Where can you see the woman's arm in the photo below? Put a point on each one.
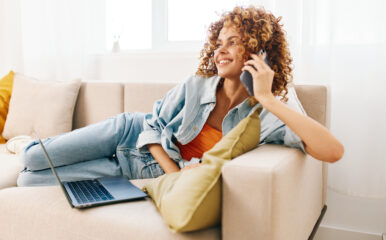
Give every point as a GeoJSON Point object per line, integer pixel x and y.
{"type": "Point", "coordinates": [318, 141]}
{"type": "Point", "coordinates": [164, 111]}
{"type": "Point", "coordinates": [166, 163]}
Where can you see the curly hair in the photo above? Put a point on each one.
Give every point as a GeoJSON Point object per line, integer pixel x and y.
{"type": "Point", "coordinates": [259, 30]}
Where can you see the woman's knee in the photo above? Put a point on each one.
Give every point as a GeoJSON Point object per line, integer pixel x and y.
{"type": "Point", "coordinates": [32, 156]}
{"type": "Point", "coordinates": [28, 178]}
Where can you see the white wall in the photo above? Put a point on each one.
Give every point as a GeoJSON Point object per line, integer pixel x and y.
{"type": "Point", "coordinates": [145, 67]}
{"type": "Point", "coordinates": [350, 218]}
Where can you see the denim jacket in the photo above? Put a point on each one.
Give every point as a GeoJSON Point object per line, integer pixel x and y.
{"type": "Point", "coordinates": [182, 113]}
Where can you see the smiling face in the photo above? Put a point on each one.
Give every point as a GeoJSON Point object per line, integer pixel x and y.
{"type": "Point", "coordinates": [227, 54]}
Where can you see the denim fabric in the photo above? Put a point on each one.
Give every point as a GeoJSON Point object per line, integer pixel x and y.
{"type": "Point", "coordinates": [103, 149]}
{"type": "Point", "coordinates": [118, 146]}
{"type": "Point", "coordinates": [182, 113]}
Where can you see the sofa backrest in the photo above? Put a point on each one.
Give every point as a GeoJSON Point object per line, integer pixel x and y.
{"type": "Point", "coordinates": [100, 100]}
{"type": "Point", "coordinates": [314, 100]}
{"type": "Point", "coordinates": [140, 97]}
{"type": "Point", "coordinates": [97, 101]}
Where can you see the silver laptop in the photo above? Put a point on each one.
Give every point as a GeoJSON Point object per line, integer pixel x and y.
{"type": "Point", "coordinates": [96, 192]}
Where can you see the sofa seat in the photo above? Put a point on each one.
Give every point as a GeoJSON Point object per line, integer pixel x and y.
{"type": "Point", "coordinates": [45, 212]}
{"type": "Point", "coordinates": [10, 168]}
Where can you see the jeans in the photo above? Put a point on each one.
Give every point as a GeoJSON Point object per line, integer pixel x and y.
{"type": "Point", "coordinates": [102, 149]}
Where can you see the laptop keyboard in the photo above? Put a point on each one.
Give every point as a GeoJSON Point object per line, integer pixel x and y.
{"type": "Point", "coordinates": [89, 191]}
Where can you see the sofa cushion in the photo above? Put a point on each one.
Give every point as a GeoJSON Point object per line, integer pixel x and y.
{"type": "Point", "coordinates": [44, 106]}
{"type": "Point", "coordinates": [191, 200]}
{"type": "Point", "coordinates": [144, 93]}
{"type": "Point", "coordinates": [10, 167]}
{"type": "Point", "coordinates": [48, 215]}
{"type": "Point", "coordinates": [97, 101]}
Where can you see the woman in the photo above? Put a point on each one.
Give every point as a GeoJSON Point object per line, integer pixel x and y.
{"type": "Point", "coordinates": [195, 114]}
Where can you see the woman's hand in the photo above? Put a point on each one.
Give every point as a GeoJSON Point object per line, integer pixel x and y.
{"type": "Point", "coordinates": [262, 76]}
{"type": "Point", "coordinates": [191, 166]}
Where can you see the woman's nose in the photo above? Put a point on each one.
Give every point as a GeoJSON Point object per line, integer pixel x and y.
{"type": "Point", "coordinates": [222, 49]}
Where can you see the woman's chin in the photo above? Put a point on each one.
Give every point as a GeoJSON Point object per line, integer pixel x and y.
{"type": "Point", "coordinates": [228, 75]}
{"type": "Point", "coordinates": [223, 74]}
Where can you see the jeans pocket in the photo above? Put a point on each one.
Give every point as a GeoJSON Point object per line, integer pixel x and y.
{"type": "Point", "coordinates": [140, 165]}
{"type": "Point", "coordinates": [153, 169]}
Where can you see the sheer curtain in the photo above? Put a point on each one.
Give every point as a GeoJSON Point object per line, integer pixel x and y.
{"type": "Point", "coordinates": [10, 32]}
{"type": "Point", "coordinates": [342, 44]}
{"type": "Point", "coordinates": [53, 40]}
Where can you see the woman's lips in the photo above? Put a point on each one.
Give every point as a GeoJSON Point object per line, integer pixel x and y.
{"type": "Point", "coordinates": [224, 62]}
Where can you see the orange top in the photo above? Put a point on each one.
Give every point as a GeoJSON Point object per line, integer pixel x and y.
{"type": "Point", "coordinates": [204, 141]}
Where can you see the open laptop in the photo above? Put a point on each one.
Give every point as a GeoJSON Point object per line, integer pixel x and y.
{"type": "Point", "coordinates": [96, 192]}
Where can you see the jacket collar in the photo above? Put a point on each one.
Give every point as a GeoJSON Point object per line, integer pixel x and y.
{"type": "Point", "coordinates": [210, 84]}
{"type": "Point", "coordinates": [243, 109]}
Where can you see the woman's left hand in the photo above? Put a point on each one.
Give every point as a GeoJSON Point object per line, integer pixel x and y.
{"type": "Point", "coordinates": [191, 166]}
{"type": "Point", "coordinates": [262, 76]}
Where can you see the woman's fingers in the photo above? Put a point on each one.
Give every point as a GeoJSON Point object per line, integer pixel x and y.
{"type": "Point", "coordinates": [258, 62]}
{"type": "Point", "coordinates": [250, 69]}
{"type": "Point", "coordinates": [191, 166]}
{"type": "Point", "coordinates": [261, 73]}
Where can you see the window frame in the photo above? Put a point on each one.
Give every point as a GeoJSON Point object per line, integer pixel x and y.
{"type": "Point", "coordinates": [159, 33]}
{"type": "Point", "coordinates": [160, 30]}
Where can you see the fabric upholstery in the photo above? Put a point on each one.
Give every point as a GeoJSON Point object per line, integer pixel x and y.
{"type": "Point", "coordinates": [279, 195]}
{"type": "Point", "coordinates": [45, 106]}
{"type": "Point", "coordinates": [97, 102]}
{"type": "Point", "coordinates": [191, 200]}
{"type": "Point", "coordinates": [315, 101]}
{"type": "Point", "coordinates": [47, 215]}
{"type": "Point", "coordinates": [9, 168]}
{"type": "Point", "coordinates": [140, 97]}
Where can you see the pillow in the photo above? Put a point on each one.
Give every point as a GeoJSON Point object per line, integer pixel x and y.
{"type": "Point", "coordinates": [46, 106]}
{"type": "Point", "coordinates": [17, 144]}
{"type": "Point", "coordinates": [191, 200]}
{"type": "Point", "coordinates": [5, 95]}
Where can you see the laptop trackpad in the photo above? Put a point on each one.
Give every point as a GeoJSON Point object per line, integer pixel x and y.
{"type": "Point", "coordinates": [121, 188]}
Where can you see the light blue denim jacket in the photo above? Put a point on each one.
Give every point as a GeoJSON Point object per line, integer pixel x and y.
{"type": "Point", "coordinates": [182, 113]}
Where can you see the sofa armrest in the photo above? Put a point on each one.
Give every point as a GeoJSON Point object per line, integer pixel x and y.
{"type": "Point", "coordinates": [271, 192]}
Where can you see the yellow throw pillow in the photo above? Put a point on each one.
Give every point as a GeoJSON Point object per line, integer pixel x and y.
{"type": "Point", "coordinates": [6, 84]}
{"type": "Point", "coordinates": [191, 200]}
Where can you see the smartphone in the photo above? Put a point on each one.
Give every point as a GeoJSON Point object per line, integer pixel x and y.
{"type": "Point", "coordinates": [246, 77]}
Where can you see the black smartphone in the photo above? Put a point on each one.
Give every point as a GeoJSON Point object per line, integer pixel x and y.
{"type": "Point", "coordinates": [246, 77]}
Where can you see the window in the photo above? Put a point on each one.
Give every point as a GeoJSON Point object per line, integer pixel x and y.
{"type": "Point", "coordinates": [189, 20]}
{"type": "Point", "coordinates": [163, 25]}
{"type": "Point", "coordinates": [129, 23]}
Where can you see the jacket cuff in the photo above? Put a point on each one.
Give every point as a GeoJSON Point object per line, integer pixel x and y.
{"type": "Point", "coordinates": [183, 163]}
{"type": "Point", "coordinates": [292, 140]}
{"type": "Point", "coordinates": [147, 137]}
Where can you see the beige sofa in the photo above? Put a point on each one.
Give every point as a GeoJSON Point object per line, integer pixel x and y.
{"type": "Point", "coordinates": [272, 192]}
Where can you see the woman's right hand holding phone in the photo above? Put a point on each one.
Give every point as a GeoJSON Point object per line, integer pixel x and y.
{"type": "Point", "coordinates": [262, 76]}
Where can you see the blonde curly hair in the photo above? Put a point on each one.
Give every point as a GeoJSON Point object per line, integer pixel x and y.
{"type": "Point", "coordinates": [259, 30]}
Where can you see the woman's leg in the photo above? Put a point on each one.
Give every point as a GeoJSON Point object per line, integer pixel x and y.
{"type": "Point", "coordinates": [96, 141]}
{"type": "Point", "coordinates": [105, 167]}
{"type": "Point", "coordinates": [136, 165]}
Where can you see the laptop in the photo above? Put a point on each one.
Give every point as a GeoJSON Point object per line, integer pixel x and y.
{"type": "Point", "coordinates": [96, 192]}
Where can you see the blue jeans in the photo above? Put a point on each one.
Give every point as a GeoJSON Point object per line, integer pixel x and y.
{"type": "Point", "coordinates": [102, 149]}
